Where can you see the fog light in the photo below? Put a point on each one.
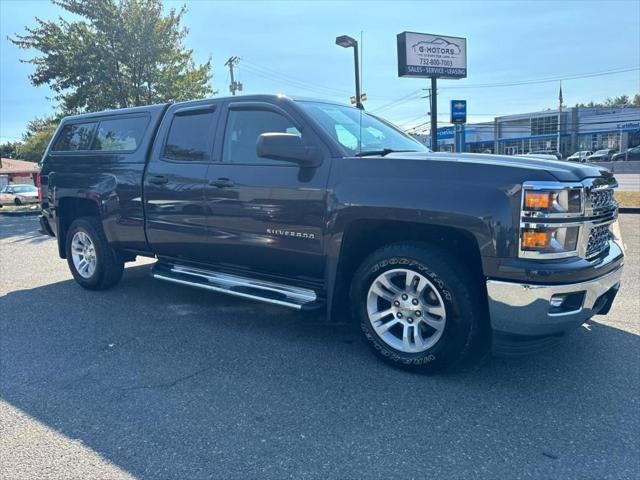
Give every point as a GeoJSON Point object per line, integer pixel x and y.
{"type": "Point", "coordinates": [566, 302]}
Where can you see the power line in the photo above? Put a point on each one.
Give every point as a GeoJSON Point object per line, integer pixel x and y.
{"type": "Point", "coordinates": [289, 79]}
{"type": "Point", "coordinates": [415, 95]}
{"type": "Point", "coordinates": [547, 80]}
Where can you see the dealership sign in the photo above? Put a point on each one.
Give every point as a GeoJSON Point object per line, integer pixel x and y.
{"type": "Point", "coordinates": [458, 111]}
{"type": "Point", "coordinates": [425, 55]}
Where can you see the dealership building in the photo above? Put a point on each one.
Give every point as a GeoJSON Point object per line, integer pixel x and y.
{"type": "Point", "coordinates": [580, 128]}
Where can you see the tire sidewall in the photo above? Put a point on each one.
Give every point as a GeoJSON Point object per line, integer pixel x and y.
{"type": "Point", "coordinates": [88, 229]}
{"type": "Point", "coordinates": [458, 326]}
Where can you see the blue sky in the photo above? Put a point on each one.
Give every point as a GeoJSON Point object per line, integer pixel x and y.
{"type": "Point", "coordinates": [288, 47]}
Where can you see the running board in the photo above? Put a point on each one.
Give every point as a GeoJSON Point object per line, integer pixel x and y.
{"type": "Point", "coordinates": [263, 291]}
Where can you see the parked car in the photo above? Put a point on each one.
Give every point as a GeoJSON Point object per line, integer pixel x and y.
{"type": "Point", "coordinates": [543, 156]}
{"type": "Point", "coordinates": [630, 154]}
{"type": "Point", "coordinates": [603, 155]}
{"type": "Point", "coordinates": [435, 255]}
{"type": "Point", "coordinates": [580, 156]}
{"type": "Point", "coordinates": [555, 153]}
{"type": "Point", "coordinates": [18, 195]}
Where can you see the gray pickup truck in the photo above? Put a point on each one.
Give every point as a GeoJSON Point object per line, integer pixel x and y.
{"type": "Point", "coordinates": [313, 205]}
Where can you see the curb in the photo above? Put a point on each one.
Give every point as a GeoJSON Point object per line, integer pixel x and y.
{"type": "Point", "coordinates": [28, 213]}
{"type": "Point", "coordinates": [629, 210]}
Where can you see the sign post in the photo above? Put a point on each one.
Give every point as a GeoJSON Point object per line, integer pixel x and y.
{"type": "Point", "coordinates": [423, 55]}
{"type": "Point", "coordinates": [458, 118]}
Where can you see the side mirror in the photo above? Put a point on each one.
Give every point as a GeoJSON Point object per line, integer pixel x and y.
{"type": "Point", "coordinates": [288, 147]}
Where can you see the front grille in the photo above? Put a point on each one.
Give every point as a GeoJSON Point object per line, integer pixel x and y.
{"type": "Point", "coordinates": [600, 200]}
{"type": "Point", "coordinates": [598, 240]}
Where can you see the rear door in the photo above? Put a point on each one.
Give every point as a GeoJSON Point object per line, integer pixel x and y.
{"type": "Point", "coordinates": [174, 182]}
{"type": "Point", "coordinates": [265, 215]}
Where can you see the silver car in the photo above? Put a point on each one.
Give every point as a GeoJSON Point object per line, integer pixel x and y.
{"type": "Point", "coordinates": [580, 156]}
{"type": "Point", "coordinates": [18, 195]}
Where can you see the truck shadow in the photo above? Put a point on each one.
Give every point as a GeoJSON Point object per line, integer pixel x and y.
{"type": "Point", "coordinates": [21, 230]}
{"type": "Point", "coordinates": [170, 382]}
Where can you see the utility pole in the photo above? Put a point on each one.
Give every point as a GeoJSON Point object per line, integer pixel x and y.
{"type": "Point", "coordinates": [233, 86]}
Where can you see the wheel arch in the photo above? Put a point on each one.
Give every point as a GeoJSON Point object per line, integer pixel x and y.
{"type": "Point", "coordinates": [69, 209]}
{"type": "Point", "coordinates": [363, 237]}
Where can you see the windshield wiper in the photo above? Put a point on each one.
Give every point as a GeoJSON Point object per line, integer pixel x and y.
{"type": "Point", "coordinates": [382, 153]}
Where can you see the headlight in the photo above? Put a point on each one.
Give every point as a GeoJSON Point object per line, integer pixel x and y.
{"type": "Point", "coordinates": [543, 233]}
{"type": "Point", "coordinates": [565, 202]}
{"type": "Point", "coordinates": [548, 241]}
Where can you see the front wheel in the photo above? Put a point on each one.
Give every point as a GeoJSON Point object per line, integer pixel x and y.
{"type": "Point", "coordinates": [417, 306]}
{"type": "Point", "coordinates": [17, 202]}
{"type": "Point", "coordinates": [92, 261]}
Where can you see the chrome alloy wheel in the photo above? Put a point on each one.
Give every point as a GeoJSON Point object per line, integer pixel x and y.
{"type": "Point", "coordinates": [83, 254]}
{"type": "Point", "coordinates": [406, 310]}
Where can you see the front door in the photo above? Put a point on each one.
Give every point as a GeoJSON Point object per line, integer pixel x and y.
{"type": "Point", "coordinates": [265, 215]}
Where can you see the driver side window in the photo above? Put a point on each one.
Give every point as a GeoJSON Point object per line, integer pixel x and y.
{"type": "Point", "coordinates": [243, 129]}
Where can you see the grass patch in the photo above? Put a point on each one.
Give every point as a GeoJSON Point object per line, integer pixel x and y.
{"type": "Point", "coordinates": [21, 208]}
{"type": "Point", "coordinates": [628, 199]}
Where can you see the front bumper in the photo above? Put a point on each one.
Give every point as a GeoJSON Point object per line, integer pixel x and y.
{"type": "Point", "coordinates": [521, 312]}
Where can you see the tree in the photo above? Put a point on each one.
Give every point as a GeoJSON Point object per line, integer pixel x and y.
{"type": "Point", "coordinates": [36, 138]}
{"type": "Point", "coordinates": [9, 149]}
{"type": "Point", "coordinates": [120, 54]}
{"type": "Point", "coordinates": [620, 101]}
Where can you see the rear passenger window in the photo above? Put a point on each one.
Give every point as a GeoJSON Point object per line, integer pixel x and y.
{"type": "Point", "coordinates": [120, 134]}
{"type": "Point", "coordinates": [189, 137]}
{"type": "Point", "coordinates": [75, 137]}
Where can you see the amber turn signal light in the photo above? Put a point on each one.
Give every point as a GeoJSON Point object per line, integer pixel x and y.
{"type": "Point", "coordinates": [533, 239]}
{"type": "Point", "coordinates": [538, 201]}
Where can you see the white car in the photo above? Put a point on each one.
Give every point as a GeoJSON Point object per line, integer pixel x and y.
{"type": "Point", "coordinates": [18, 195]}
{"type": "Point", "coordinates": [580, 156]}
{"type": "Point", "coordinates": [542, 156]}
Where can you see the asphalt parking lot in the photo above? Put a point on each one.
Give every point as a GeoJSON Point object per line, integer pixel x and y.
{"type": "Point", "coordinates": [155, 381]}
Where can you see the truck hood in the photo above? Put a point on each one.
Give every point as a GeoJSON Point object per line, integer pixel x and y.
{"type": "Point", "coordinates": [561, 170]}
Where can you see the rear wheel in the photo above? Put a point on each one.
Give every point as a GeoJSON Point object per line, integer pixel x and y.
{"type": "Point", "coordinates": [92, 261]}
{"type": "Point", "coordinates": [417, 307]}
{"type": "Point", "coordinates": [17, 202]}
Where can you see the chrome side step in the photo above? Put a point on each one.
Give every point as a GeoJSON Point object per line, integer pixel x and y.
{"type": "Point", "coordinates": [263, 291]}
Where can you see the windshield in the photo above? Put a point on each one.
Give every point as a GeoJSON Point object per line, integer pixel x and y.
{"type": "Point", "coordinates": [357, 131]}
{"type": "Point", "coordinates": [602, 151]}
{"type": "Point", "coordinates": [25, 189]}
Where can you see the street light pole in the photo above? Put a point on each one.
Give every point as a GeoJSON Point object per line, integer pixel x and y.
{"type": "Point", "coordinates": [356, 62]}
{"type": "Point", "coordinates": [346, 41]}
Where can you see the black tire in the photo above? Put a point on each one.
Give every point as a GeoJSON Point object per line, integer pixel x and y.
{"type": "Point", "coordinates": [459, 290]}
{"type": "Point", "coordinates": [109, 266]}
{"type": "Point", "coordinates": [17, 202]}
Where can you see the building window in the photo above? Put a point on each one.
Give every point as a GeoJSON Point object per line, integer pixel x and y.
{"type": "Point", "coordinates": [480, 147]}
{"type": "Point", "coordinates": [544, 125]}
{"type": "Point", "coordinates": [598, 141]}
{"type": "Point", "coordinates": [514, 147]}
